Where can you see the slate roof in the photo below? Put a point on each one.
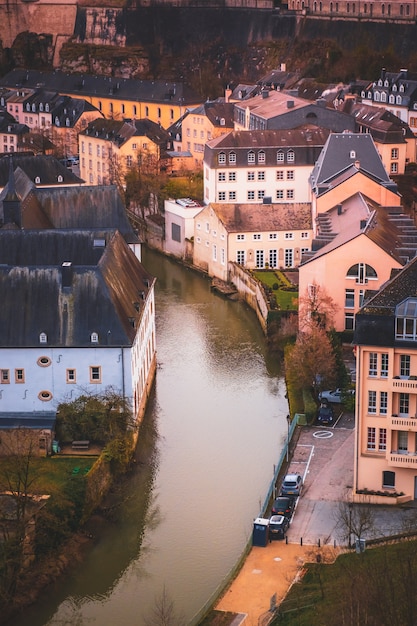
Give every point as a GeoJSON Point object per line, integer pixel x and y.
{"type": "Point", "coordinates": [104, 292]}
{"type": "Point", "coordinates": [11, 127]}
{"type": "Point", "coordinates": [238, 218]}
{"type": "Point", "coordinates": [342, 155]}
{"type": "Point", "coordinates": [46, 168]}
{"type": "Point", "coordinates": [39, 420]}
{"type": "Point", "coordinates": [216, 111]}
{"type": "Point", "coordinates": [159, 91]}
{"type": "Point", "coordinates": [384, 126]}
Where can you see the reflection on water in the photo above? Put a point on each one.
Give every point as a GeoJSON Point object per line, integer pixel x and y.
{"type": "Point", "coordinates": [214, 429]}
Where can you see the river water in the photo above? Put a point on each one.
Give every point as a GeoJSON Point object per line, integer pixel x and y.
{"type": "Point", "coordinates": [215, 426]}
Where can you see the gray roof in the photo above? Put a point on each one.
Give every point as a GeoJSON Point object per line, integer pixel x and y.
{"type": "Point", "coordinates": [118, 132]}
{"type": "Point", "coordinates": [39, 420]}
{"type": "Point", "coordinates": [159, 91]}
{"type": "Point", "coordinates": [101, 290]}
{"type": "Point", "coordinates": [45, 168]}
{"type": "Point", "coordinates": [343, 154]}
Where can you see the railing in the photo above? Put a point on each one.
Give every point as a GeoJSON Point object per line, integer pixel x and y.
{"type": "Point", "coordinates": [402, 423]}
{"type": "Point", "coordinates": [403, 384]}
{"type": "Point", "coordinates": [402, 459]}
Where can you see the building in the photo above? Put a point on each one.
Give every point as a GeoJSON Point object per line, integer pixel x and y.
{"type": "Point", "coordinates": [248, 166]}
{"type": "Point", "coordinates": [252, 235]}
{"type": "Point", "coordinates": [109, 149]}
{"type": "Point", "coordinates": [11, 133]}
{"type": "Point", "coordinates": [386, 403]}
{"type": "Point", "coordinates": [179, 227]}
{"type": "Point", "coordinates": [81, 320]}
{"type": "Point", "coordinates": [204, 123]}
{"type": "Point", "coordinates": [161, 101]}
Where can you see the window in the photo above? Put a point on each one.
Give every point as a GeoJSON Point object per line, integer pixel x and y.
{"type": "Point", "coordinates": [4, 377]}
{"type": "Point", "coordinates": [371, 439]}
{"type": "Point", "coordinates": [404, 404]}
{"type": "Point", "coordinates": [289, 235]}
{"type": "Point", "coordinates": [349, 321]}
{"type": "Point", "coordinates": [388, 479]}
{"type": "Point", "coordinates": [394, 168]}
{"type": "Point", "coordinates": [240, 257]}
{"type": "Point", "coordinates": [19, 375]}
{"type": "Point", "coordinates": [256, 236]}
{"type": "Point", "coordinates": [261, 156]}
{"type": "Point", "coordinates": [232, 177]}
{"type": "Point", "coordinates": [221, 177]}
{"type": "Point", "coordinates": [261, 175]}
{"type": "Point", "coordinates": [222, 158]}
{"type": "Point", "coordinates": [129, 160]}
{"type": "Point", "coordinates": [289, 257]}
{"type": "Point", "coordinates": [305, 235]}
{"type": "Point", "coordinates": [382, 441]}
{"type": "Point", "coordinates": [44, 361]}
{"type": "Point", "coordinates": [94, 338]}
{"type": "Point", "coordinates": [214, 252]}
{"type": "Point", "coordinates": [362, 272]}
{"type": "Point", "coordinates": [405, 365]}
{"type": "Point", "coordinates": [394, 153]}
{"type": "Point", "coordinates": [405, 322]}
{"type": "Point", "coordinates": [71, 376]}
{"type": "Point", "coordinates": [290, 175]}
{"type": "Point", "coordinates": [349, 298]}
{"type": "Point", "coordinates": [45, 396]}
{"type": "Point", "coordinates": [232, 158]}
{"type": "Point", "coordinates": [280, 194]}
{"type": "Point", "coordinates": [232, 195]}
{"type": "Point", "coordinates": [383, 403]}
{"type": "Point", "coordinates": [251, 157]}
{"type": "Point", "coordinates": [95, 374]}
{"type": "Point", "coordinates": [384, 364]}
{"type": "Point", "coordinates": [290, 156]}
{"type": "Point", "coordinates": [240, 237]}
{"type": "Point", "coordinates": [402, 441]}
{"type": "Point", "coordinates": [260, 258]}
{"type": "Point", "coordinates": [280, 174]}
{"type": "Point", "coordinates": [373, 364]}
{"type": "Point", "coordinates": [372, 402]}
{"type": "Point", "coordinates": [251, 175]}
{"type": "Point", "coordinates": [159, 112]}
{"type": "Point", "coordinates": [290, 194]}
{"type": "Point", "coordinates": [222, 196]}
{"type": "Point", "coordinates": [273, 235]}
{"type": "Point", "coordinates": [261, 194]}
{"type": "Point", "coordinates": [280, 157]}
{"type": "Point", "coordinates": [176, 232]}
{"type": "Point", "coordinates": [251, 195]}
{"type": "Point", "coordinates": [43, 338]}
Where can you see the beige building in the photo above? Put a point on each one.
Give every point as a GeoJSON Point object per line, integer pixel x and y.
{"type": "Point", "coordinates": [386, 391]}
{"type": "Point", "coordinates": [252, 235]}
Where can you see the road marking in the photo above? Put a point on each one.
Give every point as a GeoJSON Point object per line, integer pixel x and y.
{"type": "Point", "coordinates": [323, 434]}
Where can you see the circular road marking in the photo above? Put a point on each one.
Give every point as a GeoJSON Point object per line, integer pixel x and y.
{"type": "Point", "coordinates": [323, 434]}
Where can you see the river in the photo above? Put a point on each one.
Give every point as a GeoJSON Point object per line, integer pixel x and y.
{"type": "Point", "coordinates": [214, 428]}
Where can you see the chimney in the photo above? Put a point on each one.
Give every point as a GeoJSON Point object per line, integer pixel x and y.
{"type": "Point", "coordinates": [227, 94]}
{"type": "Point", "coordinates": [339, 209]}
{"type": "Point", "coordinates": [363, 224]}
{"type": "Point", "coordinates": [265, 93]}
{"type": "Point", "coordinates": [358, 164]}
{"type": "Point", "coordinates": [290, 104]}
{"type": "Point", "coordinates": [66, 273]}
{"type": "Point", "coordinates": [283, 67]}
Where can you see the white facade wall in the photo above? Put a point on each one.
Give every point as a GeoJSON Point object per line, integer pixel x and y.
{"type": "Point", "coordinates": [179, 225]}
{"type": "Point", "coordinates": [143, 354]}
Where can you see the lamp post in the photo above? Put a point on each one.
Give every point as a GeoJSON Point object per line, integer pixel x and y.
{"type": "Point", "coordinates": [288, 436]}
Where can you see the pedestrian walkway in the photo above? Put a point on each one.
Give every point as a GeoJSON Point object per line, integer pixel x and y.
{"type": "Point", "coordinates": [266, 577]}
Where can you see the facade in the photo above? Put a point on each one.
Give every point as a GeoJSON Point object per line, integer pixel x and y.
{"type": "Point", "coordinates": [11, 134]}
{"type": "Point", "coordinates": [79, 325]}
{"type": "Point", "coordinates": [179, 227]}
{"type": "Point", "coordinates": [248, 166]}
{"type": "Point", "coordinates": [386, 391]}
{"type": "Point", "coordinates": [252, 235]}
{"type": "Point", "coordinates": [202, 124]}
{"type": "Point", "coordinates": [396, 92]}
{"type": "Point", "coordinates": [161, 101]}
{"type": "Point", "coordinates": [109, 148]}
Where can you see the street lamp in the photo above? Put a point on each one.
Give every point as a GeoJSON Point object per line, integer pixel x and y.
{"type": "Point", "coordinates": [288, 435]}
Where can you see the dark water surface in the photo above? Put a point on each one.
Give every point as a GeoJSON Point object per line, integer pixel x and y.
{"type": "Point", "coordinates": [214, 429]}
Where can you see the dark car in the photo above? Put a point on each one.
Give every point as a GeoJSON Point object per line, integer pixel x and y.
{"type": "Point", "coordinates": [325, 414]}
{"type": "Point", "coordinates": [291, 485]}
{"type": "Point", "coordinates": [278, 526]}
{"type": "Point", "coordinates": [283, 505]}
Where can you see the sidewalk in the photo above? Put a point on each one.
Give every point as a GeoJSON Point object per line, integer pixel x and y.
{"type": "Point", "coordinates": [266, 577]}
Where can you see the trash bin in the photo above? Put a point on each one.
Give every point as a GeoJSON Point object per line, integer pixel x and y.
{"type": "Point", "coordinates": [55, 447]}
{"type": "Point", "coordinates": [260, 534]}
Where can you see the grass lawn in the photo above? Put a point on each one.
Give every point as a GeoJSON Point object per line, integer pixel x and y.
{"type": "Point", "coordinates": [218, 618]}
{"type": "Point", "coordinates": [51, 473]}
{"type": "Point", "coordinates": [272, 278]}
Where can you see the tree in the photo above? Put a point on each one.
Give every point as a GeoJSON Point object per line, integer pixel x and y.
{"type": "Point", "coordinates": [354, 519]}
{"type": "Point", "coordinates": [317, 308]}
{"type": "Point", "coordinates": [310, 363]}
{"type": "Point", "coordinates": [163, 613]}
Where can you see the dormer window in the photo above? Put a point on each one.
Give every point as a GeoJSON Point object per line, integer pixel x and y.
{"type": "Point", "coordinates": [402, 88]}
{"type": "Point", "coordinates": [392, 99]}
{"type": "Point", "coordinates": [34, 108]}
{"type": "Point", "coordinates": [377, 96]}
{"type": "Point", "coordinates": [399, 100]}
{"type": "Point", "coordinates": [41, 106]}
{"type": "Point", "coordinates": [67, 122]}
{"type": "Point", "coordinates": [363, 95]}
{"type": "Point", "coordinates": [261, 157]}
{"type": "Point", "coordinates": [37, 180]}
{"type": "Point", "coordinates": [383, 97]}
{"type": "Point", "coordinates": [290, 156]}
{"type": "Point", "coordinates": [94, 337]}
{"type": "Point", "coordinates": [57, 121]}
{"type": "Point", "coordinates": [406, 320]}
{"type": "Point", "coordinates": [222, 158]}
{"type": "Point", "coordinates": [251, 156]}
{"type": "Point", "coordinates": [60, 179]}
{"type": "Point", "coordinates": [380, 82]}
{"type": "Point", "coordinates": [47, 107]}
{"type": "Point", "coordinates": [394, 87]}
{"type": "Point", "coordinates": [386, 83]}
{"type": "Point", "coordinates": [280, 156]}
{"type": "Point", "coordinates": [28, 107]}
{"type": "Point", "coordinates": [352, 154]}
{"type": "Point", "coordinates": [43, 338]}
{"type": "Point", "coordinates": [369, 95]}
{"type": "Point", "coordinates": [232, 158]}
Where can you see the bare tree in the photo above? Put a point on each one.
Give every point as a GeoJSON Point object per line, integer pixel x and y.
{"type": "Point", "coordinates": [317, 308]}
{"type": "Point", "coordinates": [354, 520]}
{"type": "Point", "coordinates": [163, 613]}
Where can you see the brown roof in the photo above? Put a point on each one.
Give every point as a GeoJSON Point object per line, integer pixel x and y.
{"type": "Point", "coordinates": [264, 217]}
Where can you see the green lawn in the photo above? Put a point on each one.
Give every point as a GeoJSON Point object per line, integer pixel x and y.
{"type": "Point", "coordinates": [274, 278]}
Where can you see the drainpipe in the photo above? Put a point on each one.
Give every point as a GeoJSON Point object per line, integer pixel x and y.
{"type": "Point", "coordinates": [123, 372]}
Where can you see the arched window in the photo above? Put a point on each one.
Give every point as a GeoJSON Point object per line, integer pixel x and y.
{"type": "Point", "coordinates": [47, 107]}
{"type": "Point", "coordinates": [362, 272]}
{"type": "Point", "coordinates": [290, 156]}
{"type": "Point", "coordinates": [383, 97]}
{"type": "Point", "coordinates": [222, 158]}
{"type": "Point", "coordinates": [398, 100]}
{"type": "Point", "coordinates": [43, 338]}
{"type": "Point", "coordinates": [280, 156]}
{"type": "Point", "coordinates": [261, 157]}
{"type": "Point", "coordinates": [251, 156]}
{"type": "Point", "coordinates": [394, 87]}
{"type": "Point", "coordinates": [232, 158]}
{"type": "Point", "coordinates": [392, 99]}
{"type": "Point", "coordinates": [94, 337]}
{"type": "Point", "coordinates": [377, 96]}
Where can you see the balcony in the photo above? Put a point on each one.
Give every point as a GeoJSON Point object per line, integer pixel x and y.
{"type": "Point", "coordinates": [402, 459]}
{"type": "Point", "coordinates": [405, 385]}
{"type": "Point", "coordinates": [403, 423]}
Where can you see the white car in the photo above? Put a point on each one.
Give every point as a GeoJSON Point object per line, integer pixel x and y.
{"type": "Point", "coordinates": [337, 396]}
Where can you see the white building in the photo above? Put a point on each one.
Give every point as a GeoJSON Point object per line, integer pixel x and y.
{"type": "Point", "coordinates": [179, 226]}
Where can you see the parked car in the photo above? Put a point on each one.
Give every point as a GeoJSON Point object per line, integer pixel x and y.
{"type": "Point", "coordinates": [292, 485]}
{"type": "Point", "coordinates": [278, 526]}
{"type": "Point", "coordinates": [336, 396]}
{"type": "Point", "coordinates": [283, 505]}
{"type": "Point", "coordinates": [325, 413]}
